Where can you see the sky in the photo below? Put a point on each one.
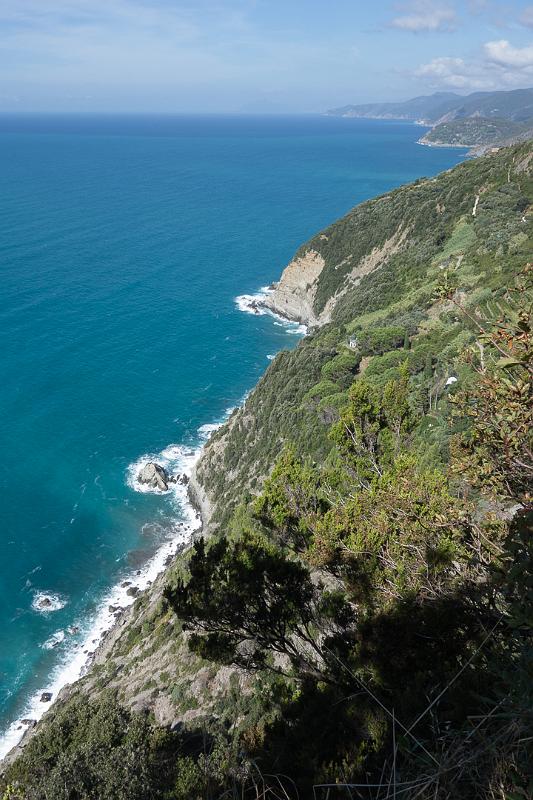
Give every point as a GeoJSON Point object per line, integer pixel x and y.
{"type": "Point", "coordinates": [250, 56]}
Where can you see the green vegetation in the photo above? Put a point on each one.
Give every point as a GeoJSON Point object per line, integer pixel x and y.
{"type": "Point", "coordinates": [368, 583]}
{"type": "Point", "coordinates": [473, 131]}
{"type": "Point", "coordinates": [429, 211]}
{"type": "Point", "coordinates": [97, 751]}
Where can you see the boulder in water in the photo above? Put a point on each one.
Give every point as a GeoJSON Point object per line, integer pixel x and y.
{"type": "Point", "coordinates": [154, 475]}
{"type": "Point", "coordinates": [46, 697]}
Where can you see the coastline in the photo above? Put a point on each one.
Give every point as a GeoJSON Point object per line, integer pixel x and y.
{"type": "Point", "coordinates": [117, 606]}
{"type": "Point", "coordinates": [444, 144]}
{"type": "Point", "coordinates": [473, 151]}
{"type": "Point", "coordinates": [112, 614]}
{"type": "Point", "coordinates": [259, 305]}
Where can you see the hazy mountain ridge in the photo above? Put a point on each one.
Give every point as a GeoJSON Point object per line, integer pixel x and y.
{"type": "Point", "coordinates": [476, 120]}
{"type": "Point", "coordinates": [515, 105]}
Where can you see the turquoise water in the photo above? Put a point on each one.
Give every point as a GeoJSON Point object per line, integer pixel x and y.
{"type": "Point", "coordinates": [123, 243]}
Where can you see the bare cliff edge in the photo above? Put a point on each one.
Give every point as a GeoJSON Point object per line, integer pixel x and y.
{"type": "Point", "coordinates": [294, 295]}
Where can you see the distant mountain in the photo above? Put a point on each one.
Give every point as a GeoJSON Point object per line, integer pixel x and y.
{"type": "Point", "coordinates": [440, 107]}
{"type": "Point", "coordinates": [426, 107]}
{"type": "Point", "coordinates": [480, 119]}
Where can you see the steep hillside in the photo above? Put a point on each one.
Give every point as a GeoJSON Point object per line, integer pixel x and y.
{"type": "Point", "coordinates": [474, 132]}
{"type": "Point", "coordinates": [399, 236]}
{"type": "Point", "coordinates": [362, 516]}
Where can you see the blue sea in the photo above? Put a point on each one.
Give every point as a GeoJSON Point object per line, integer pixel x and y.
{"type": "Point", "coordinates": [124, 241]}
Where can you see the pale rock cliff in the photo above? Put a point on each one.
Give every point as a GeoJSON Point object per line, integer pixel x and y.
{"type": "Point", "coordinates": [294, 295]}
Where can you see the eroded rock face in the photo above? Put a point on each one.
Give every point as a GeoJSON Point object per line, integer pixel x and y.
{"type": "Point", "coordinates": [154, 475]}
{"type": "Point", "coordinates": [294, 295]}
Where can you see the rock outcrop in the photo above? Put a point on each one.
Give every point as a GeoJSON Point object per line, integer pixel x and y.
{"type": "Point", "coordinates": [293, 297]}
{"type": "Point", "coordinates": [155, 476]}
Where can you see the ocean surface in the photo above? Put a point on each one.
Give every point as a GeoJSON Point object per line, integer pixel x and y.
{"type": "Point", "coordinates": [124, 242]}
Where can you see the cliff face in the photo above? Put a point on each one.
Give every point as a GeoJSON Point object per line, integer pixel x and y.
{"type": "Point", "coordinates": [294, 295]}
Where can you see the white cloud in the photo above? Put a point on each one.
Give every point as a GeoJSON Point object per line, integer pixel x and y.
{"type": "Point", "coordinates": [504, 54]}
{"type": "Point", "coordinates": [452, 73]}
{"type": "Point", "coordinates": [425, 15]}
{"type": "Point", "coordinates": [500, 65]}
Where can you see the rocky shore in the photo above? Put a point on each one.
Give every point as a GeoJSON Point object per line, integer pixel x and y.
{"type": "Point", "coordinates": [158, 478]}
{"type": "Point", "coordinates": [292, 297]}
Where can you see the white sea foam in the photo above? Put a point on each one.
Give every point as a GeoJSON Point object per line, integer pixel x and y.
{"type": "Point", "coordinates": [296, 328]}
{"type": "Point", "coordinates": [77, 653]}
{"type": "Point", "coordinates": [176, 459]}
{"type": "Point", "coordinates": [254, 304]}
{"type": "Point", "coordinates": [54, 641]}
{"type": "Point", "coordinates": [79, 646]}
{"type": "Point", "coordinates": [46, 602]}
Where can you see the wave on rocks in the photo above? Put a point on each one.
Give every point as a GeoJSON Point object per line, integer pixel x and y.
{"type": "Point", "coordinates": [46, 602]}
{"type": "Point", "coordinates": [85, 636]}
{"type": "Point", "coordinates": [54, 641]}
{"type": "Point", "coordinates": [254, 304]}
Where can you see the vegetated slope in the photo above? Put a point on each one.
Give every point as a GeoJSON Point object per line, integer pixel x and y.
{"type": "Point", "coordinates": [397, 236]}
{"type": "Point", "coordinates": [475, 131]}
{"type": "Point", "coordinates": [354, 569]}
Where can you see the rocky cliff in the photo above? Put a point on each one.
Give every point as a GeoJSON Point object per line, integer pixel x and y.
{"type": "Point", "coordinates": [293, 297]}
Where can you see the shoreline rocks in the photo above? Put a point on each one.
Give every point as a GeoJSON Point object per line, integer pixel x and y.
{"type": "Point", "coordinates": [157, 477]}
{"type": "Point", "coordinates": [154, 475]}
